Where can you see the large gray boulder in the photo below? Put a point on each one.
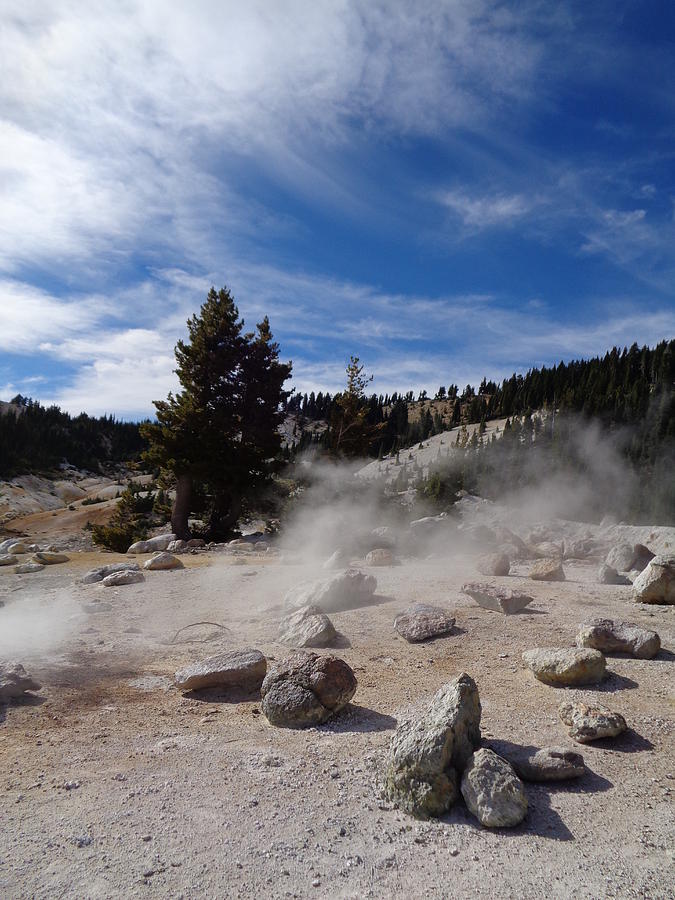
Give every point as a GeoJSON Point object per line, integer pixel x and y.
{"type": "Point", "coordinates": [15, 681]}
{"type": "Point", "coordinates": [159, 542]}
{"type": "Point", "coordinates": [305, 689]}
{"type": "Point", "coordinates": [547, 764]}
{"type": "Point", "coordinates": [8, 559]}
{"type": "Point", "coordinates": [235, 668]}
{"type": "Point", "coordinates": [493, 564]}
{"type": "Point", "coordinates": [28, 568]}
{"type": "Point", "coordinates": [656, 583]}
{"type": "Point", "coordinates": [162, 562]}
{"type": "Point", "coordinates": [590, 723]}
{"type": "Point", "coordinates": [421, 621]}
{"type": "Point", "coordinates": [345, 590]}
{"type": "Point", "coordinates": [547, 569]}
{"type": "Point", "coordinates": [565, 667]}
{"type": "Point", "coordinates": [429, 751]}
{"type": "Point", "coordinates": [308, 626]}
{"type": "Point", "coordinates": [118, 579]}
{"type": "Point", "coordinates": [609, 575]}
{"type": "Point", "coordinates": [621, 557]}
{"type": "Point", "coordinates": [492, 791]}
{"type": "Point", "coordinates": [101, 572]}
{"type": "Point", "coordinates": [619, 637]}
{"type": "Point", "coordinates": [497, 598]}
{"type": "Point", "coordinates": [48, 558]}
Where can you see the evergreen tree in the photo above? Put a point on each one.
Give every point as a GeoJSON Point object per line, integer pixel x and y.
{"type": "Point", "coordinates": [351, 433]}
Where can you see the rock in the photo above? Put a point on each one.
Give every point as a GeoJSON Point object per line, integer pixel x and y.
{"type": "Point", "coordinates": [547, 570]}
{"type": "Point", "coordinates": [16, 548]}
{"type": "Point", "coordinates": [492, 791]}
{"type": "Point", "coordinates": [383, 536]}
{"type": "Point", "coordinates": [380, 557]}
{"type": "Point", "coordinates": [160, 542]}
{"type": "Point", "coordinates": [548, 550]}
{"type": "Point", "coordinates": [590, 723]}
{"type": "Point", "coordinates": [345, 590]}
{"type": "Point", "coordinates": [548, 764]}
{"type": "Point", "coordinates": [420, 622]}
{"type": "Point", "coordinates": [196, 543]}
{"type": "Point", "coordinates": [162, 561]}
{"type": "Point", "coordinates": [177, 546]}
{"type": "Point", "coordinates": [306, 689]}
{"type": "Point", "coordinates": [430, 524]}
{"type": "Point", "coordinates": [5, 545]}
{"type": "Point", "coordinates": [14, 680]}
{"type": "Point", "coordinates": [307, 627]}
{"type": "Point", "coordinates": [581, 549]}
{"type": "Point", "coordinates": [565, 667]}
{"type": "Point", "coordinates": [498, 599]}
{"type": "Point", "coordinates": [428, 752]}
{"type": "Point", "coordinates": [619, 637]}
{"type": "Point", "coordinates": [236, 668]}
{"type": "Point", "coordinates": [8, 559]}
{"type": "Point", "coordinates": [494, 564]}
{"type": "Point", "coordinates": [98, 574]}
{"type": "Point", "coordinates": [116, 579]}
{"type": "Point", "coordinates": [609, 575]}
{"type": "Point", "coordinates": [45, 558]}
{"type": "Point", "coordinates": [656, 583]}
{"type": "Point", "coordinates": [337, 560]}
{"type": "Point", "coordinates": [643, 556]}
{"type": "Point", "coordinates": [28, 568]}
{"type": "Point", "coordinates": [621, 557]}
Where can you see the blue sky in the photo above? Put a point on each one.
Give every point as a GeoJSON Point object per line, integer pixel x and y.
{"type": "Point", "coordinates": [446, 189]}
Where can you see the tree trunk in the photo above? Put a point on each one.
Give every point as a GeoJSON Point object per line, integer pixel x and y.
{"type": "Point", "coordinates": [181, 508]}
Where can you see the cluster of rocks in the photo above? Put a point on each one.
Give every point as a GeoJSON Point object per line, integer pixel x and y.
{"type": "Point", "coordinates": [12, 548]}
{"type": "Point", "coordinates": [15, 681]}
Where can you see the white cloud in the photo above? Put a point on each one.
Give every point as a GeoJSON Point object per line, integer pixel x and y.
{"type": "Point", "coordinates": [485, 212]}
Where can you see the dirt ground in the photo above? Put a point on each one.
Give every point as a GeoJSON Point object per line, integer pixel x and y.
{"type": "Point", "coordinates": [115, 785]}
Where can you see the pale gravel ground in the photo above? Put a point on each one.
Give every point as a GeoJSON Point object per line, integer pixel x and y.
{"type": "Point", "coordinates": [213, 801]}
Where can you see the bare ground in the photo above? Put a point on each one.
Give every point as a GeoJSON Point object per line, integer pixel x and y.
{"type": "Point", "coordinates": [188, 796]}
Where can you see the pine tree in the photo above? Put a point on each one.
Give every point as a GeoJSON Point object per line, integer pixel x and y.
{"type": "Point", "coordinates": [351, 434]}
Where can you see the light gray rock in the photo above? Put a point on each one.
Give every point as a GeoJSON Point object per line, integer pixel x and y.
{"type": "Point", "coordinates": [15, 681]}
{"type": "Point", "coordinates": [548, 550]}
{"type": "Point", "coordinates": [380, 557]}
{"type": "Point", "coordinates": [98, 574]}
{"type": "Point", "coordinates": [548, 764]}
{"type": "Point", "coordinates": [609, 575]}
{"type": "Point", "coordinates": [621, 557]}
{"type": "Point", "coordinates": [421, 621]}
{"type": "Point", "coordinates": [309, 626]}
{"type": "Point", "coordinates": [497, 598]}
{"type": "Point", "coordinates": [619, 637]}
{"type": "Point", "coordinates": [548, 569]}
{"type": "Point", "coordinates": [590, 723]}
{"type": "Point", "coordinates": [305, 689]}
{"type": "Point", "coordinates": [28, 568]}
{"type": "Point", "coordinates": [429, 751]}
{"type": "Point", "coordinates": [565, 667]}
{"type": "Point", "coordinates": [494, 564]}
{"type": "Point", "coordinates": [8, 559]}
{"type": "Point", "coordinates": [14, 547]}
{"type": "Point", "coordinates": [492, 791]}
{"type": "Point", "coordinates": [47, 558]}
{"type": "Point", "coordinates": [345, 590]}
{"type": "Point", "coordinates": [159, 542]}
{"type": "Point", "coordinates": [177, 546]}
{"type": "Point", "coordinates": [656, 583]}
{"type": "Point", "coordinates": [337, 560]}
{"type": "Point", "coordinates": [163, 561]}
{"type": "Point", "coordinates": [236, 668]}
{"type": "Point", "coordinates": [117, 579]}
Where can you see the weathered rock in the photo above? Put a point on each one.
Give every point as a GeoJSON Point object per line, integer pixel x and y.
{"type": "Point", "coordinates": [548, 550]}
{"type": "Point", "coordinates": [345, 590]}
{"type": "Point", "coordinates": [28, 568]}
{"type": "Point", "coordinates": [337, 560]}
{"type": "Point", "coordinates": [420, 622]}
{"type": "Point", "coordinates": [619, 637]}
{"type": "Point", "coordinates": [160, 542]}
{"type": "Point", "coordinates": [236, 668]}
{"type": "Point", "coordinates": [547, 570]}
{"type": "Point", "coordinates": [609, 575]}
{"type": "Point", "coordinates": [380, 557]}
{"type": "Point", "coordinates": [15, 548]}
{"type": "Point", "coordinates": [98, 574]}
{"type": "Point", "coordinates": [8, 559]}
{"type": "Point", "coordinates": [177, 546]}
{"type": "Point", "coordinates": [196, 543]}
{"type": "Point", "coordinates": [14, 681]}
{"type": "Point", "coordinates": [305, 689]}
{"type": "Point", "coordinates": [548, 764]}
{"type": "Point", "coordinates": [309, 626]}
{"type": "Point", "coordinates": [494, 564]}
{"type": "Point", "coordinates": [498, 599]}
{"type": "Point", "coordinates": [46, 558]}
{"type": "Point", "coordinates": [383, 536]}
{"type": "Point", "coordinates": [621, 557]}
{"type": "Point", "coordinates": [565, 666]}
{"type": "Point", "coordinates": [117, 579]}
{"type": "Point", "coordinates": [643, 556]}
{"type": "Point", "coordinates": [429, 751]}
{"type": "Point", "coordinates": [656, 583]}
{"type": "Point", "coordinates": [492, 791]}
{"type": "Point", "coordinates": [590, 723]}
{"type": "Point", "coordinates": [162, 561]}
{"type": "Point", "coordinates": [7, 544]}
{"type": "Point", "coordinates": [582, 548]}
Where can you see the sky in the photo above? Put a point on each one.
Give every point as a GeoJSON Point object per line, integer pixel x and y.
{"type": "Point", "coordinates": [448, 190]}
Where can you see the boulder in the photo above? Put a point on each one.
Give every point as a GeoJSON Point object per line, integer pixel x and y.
{"type": "Point", "coordinates": [547, 569]}
{"type": "Point", "coordinates": [162, 561]}
{"type": "Point", "coordinates": [160, 542]}
{"type": "Point", "coordinates": [117, 579]}
{"type": "Point", "coordinates": [345, 590]}
{"type": "Point", "coordinates": [101, 572]}
{"type": "Point", "coordinates": [590, 723]}
{"type": "Point", "coordinates": [548, 764]}
{"type": "Point", "coordinates": [337, 560]}
{"type": "Point", "coordinates": [548, 550]}
{"type": "Point", "coordinates": [305, 689]}
{"type": "Point", "coordinates": [14, 681]}
{"type": "Point", "coordinates": [565, 667]}
{"type": "Point", "coordinates": [494, 564]}
{"type": "Point", "coordinates": [420, 622]}
{"type": "Point", "coordinates": [656, 583]}
{"type": "Point", "coordinates": [16, 548]}
{"type": "Point", "coordinates": [7, 544]}
{"type": "Point", "coordinates": [196, 543]}
{"type": "Point", "coordinates": [47, 558]}
{"type": "Point", "coordinates": [383, 536]}
{"type": "Point", "coordinates": [236, 668]}
{"type": "Point", "coordinates": [619, 637]}
{"type": "Point", "coordinates": [621, 557]}
{"type": "Point", "coordinates": [582, 548]}
{"type": "Point", "coordinates": [309, 626]}
{"type": "Point", "coordinates": [609, 575]}
{"type": "Point", "coordinates": [380, 557]}
{"type": "Point", "coordinates": [28, 568]}
{"type": "Point", "coordinates": [177, 546]}
{"type": "Point", "coordinates": [8, 559]}
{"type": "Point", "coordinates": [498, 599]}
{"type": "Point", "coordinates": [428, 752]}
{"type": "Point", "coordinates": [492, 791]}
{"type": "Point", "coordinates": [643, 556]}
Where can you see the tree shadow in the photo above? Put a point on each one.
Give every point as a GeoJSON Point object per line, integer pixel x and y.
{"type": "Point", "coordinates": [354, 719]}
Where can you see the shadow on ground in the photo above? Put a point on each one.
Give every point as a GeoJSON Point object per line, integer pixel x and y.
{"type": "Point", "coordinates": [359, 720]}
